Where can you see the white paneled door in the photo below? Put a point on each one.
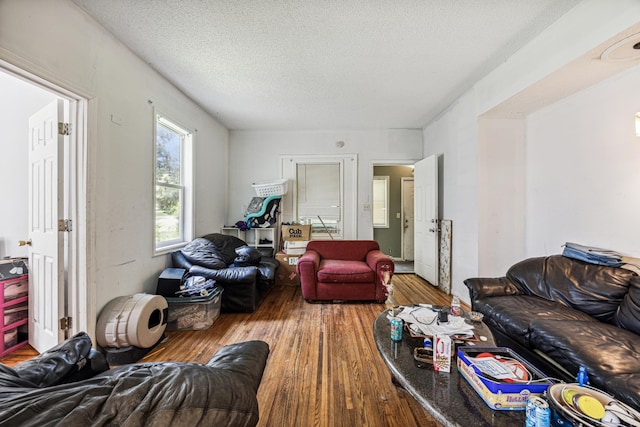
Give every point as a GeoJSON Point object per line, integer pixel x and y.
{"type": "Point", "coordinates": [426, 219]}
{"type": "Point", "coordinates": [46, 282]}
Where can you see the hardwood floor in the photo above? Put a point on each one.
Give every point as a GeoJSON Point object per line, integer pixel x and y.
{"type": "Point", "coordinates": [323, 369]}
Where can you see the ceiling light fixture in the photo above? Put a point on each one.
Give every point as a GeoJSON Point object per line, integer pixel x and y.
{"type": "Point", "coordinates": [638, 123]}
{"type": "Point", "coordinates": [627, 49]}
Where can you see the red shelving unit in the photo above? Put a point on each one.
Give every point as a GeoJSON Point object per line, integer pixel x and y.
{"type": "Point", "coordinates": [14, 312]}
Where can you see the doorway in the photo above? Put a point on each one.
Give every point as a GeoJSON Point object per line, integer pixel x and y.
{"type": "Point", "coordinates": [393, 213]}
{"type": "Point", "coordinates": [26, 95]}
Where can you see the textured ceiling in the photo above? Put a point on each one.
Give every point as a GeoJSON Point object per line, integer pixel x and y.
{"type": "Point", "coordinates": [325, 64]}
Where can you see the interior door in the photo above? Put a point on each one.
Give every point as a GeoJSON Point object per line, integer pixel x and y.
{"type": "Point", "coordinates": [408, 228]}
{"type": "Point", "coordinates": [426, 219]}
{"type": "Point", "coordinates": [46, 282]}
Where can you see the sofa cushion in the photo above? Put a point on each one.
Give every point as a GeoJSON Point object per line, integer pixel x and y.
{"type": "Point", "coordinates": [605, 349]}
{"type": "Point", "coordinates": [628, 314]}
{"type": "Point", "coordinates": [626, 388]}
{"type": "Point", "coordinates": [593, 289]}
{"type": "Point", "coordinates": [511, 315]}
{"type": "Point", "coordinates": [344, 271]}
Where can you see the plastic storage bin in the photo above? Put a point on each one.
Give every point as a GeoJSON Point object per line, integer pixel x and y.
{"type": "Point", "coordinates": [194, 313]}
{"type": "Point", "coordinates": [497, 394]}
{"type": "Point", "coordinates": [16, 313]}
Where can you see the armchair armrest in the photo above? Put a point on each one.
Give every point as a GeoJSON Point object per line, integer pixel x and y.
{"type": "Point", "coordinates": [490, 287]}
{"type": "Point", "coordinates": [178, 260]}
{"type": "Point", "coordinates": [307, 268]}
{"type": "Point", "coordinates": [226, 275]}
{"type": "Point", "coordinates": [309, 262]}
{"type": "Point", "coordinates": [376, 259]}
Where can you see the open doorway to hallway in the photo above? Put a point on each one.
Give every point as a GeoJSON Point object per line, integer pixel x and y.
{"type": "Point", "coordinates": [392, 207]}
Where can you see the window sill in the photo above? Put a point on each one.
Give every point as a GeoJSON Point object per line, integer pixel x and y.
{"type": "Point", "coordinates": [168, 249]}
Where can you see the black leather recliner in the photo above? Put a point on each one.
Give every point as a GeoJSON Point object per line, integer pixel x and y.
{"type": "Point", "coordinates": [244, 273]}
{"type": "Point", "coordinates": [66, 386]}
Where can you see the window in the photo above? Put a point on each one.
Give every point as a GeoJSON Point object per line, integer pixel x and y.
{"type": "Point", "coordinates": [381, 201]}
{"type": "Point", "coordinates": [319, 195]}
{"type": "Point", "coordinates": [173, 185]}
{"type": "Point", "coordinates": [324, 186]}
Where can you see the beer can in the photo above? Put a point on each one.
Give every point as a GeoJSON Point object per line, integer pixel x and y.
{"type": "Point", "coordinates": [396, 329]}
{"type": "Point", "coordinates": [538, 413]}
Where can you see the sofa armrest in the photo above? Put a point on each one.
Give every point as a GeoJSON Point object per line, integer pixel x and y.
{"type": "Point", "coordinates": [490, 287]}
{"type": "Point", "coordinates": [63, 363]}
{"type": "Point", "coordinates": [247, 359]}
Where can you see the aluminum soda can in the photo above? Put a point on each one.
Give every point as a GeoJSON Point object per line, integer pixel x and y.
{"type": "Point", "coordinates": [538, 413]}
{"type": "Point", "coordinates": [396, 329]}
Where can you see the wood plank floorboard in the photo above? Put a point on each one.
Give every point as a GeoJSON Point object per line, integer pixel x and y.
{"type": "Point", "coordinates": [323, 369]}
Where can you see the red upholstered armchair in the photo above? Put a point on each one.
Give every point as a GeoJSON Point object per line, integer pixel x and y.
{"type": "Point", "coordinates": [343, 270]}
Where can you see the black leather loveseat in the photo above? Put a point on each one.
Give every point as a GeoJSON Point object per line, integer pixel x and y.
{"type": "Point", "coordinates": [70, 386]}
{"type": "Point", "coordinates": [572, 312]}
{"type": "Point", "coordinates": [245, 273]}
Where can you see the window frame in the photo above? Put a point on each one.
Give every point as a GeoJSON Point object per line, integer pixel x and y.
{"type": "Point", "coordinates": [349, 179]}
{"type": "Point", "coordinates": [185, 186]}
{"type": "Point", "coordinates": [385, 202]}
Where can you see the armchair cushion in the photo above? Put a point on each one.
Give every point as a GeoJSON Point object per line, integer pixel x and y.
{"type": "Point", "coordinates": [201, 251]}
{"type": "Point", "coordinates": [334, 271]}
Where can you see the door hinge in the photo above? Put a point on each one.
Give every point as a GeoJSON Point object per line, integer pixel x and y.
{"type": "Point", "coordinates": [65, 323]}
{"type": "Point", "coordinates": [65, 225]}
{"type": "Point", "coordinates": [64, 128]}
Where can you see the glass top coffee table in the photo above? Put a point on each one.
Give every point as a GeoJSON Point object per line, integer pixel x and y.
{"type": "Point", "coordinates": [447, 396]}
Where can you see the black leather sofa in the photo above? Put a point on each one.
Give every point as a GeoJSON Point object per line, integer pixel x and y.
{"type": "Point", "coordinates": [244, 273]}
{"type": "Point", "coordinates": [71, 385]}
{"type": "Point", "coordinates": [560, 313]}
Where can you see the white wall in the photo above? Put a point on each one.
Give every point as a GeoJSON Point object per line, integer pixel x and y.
{"type": "Point", "coordinates": [583, 170]}
{"type": "Point", "coordinates": [255, 156]}
{"type": "Point", "coordinates": [18, 102]}
{"type": "Point", "coordinates": [453, 137]}
{"type": "Point", "coordinates": [501, 190]}
{"type": "Point", "coordinates": [58, 41]}
{"type": "Point", "coordinates": [492, 220]}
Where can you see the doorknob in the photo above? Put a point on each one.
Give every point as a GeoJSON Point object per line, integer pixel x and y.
{"type": "Point", "coordinates": [24, 242]}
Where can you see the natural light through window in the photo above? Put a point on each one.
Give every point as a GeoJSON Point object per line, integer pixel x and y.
{"type": "Point", "coordinates": [381, 201]}
{"type": "Point", "coordinates": [173, 176]}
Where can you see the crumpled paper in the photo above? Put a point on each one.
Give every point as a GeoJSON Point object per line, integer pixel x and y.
{"type": "Point", "coordinates": [423, 320]}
